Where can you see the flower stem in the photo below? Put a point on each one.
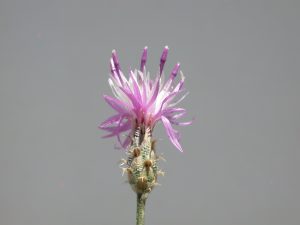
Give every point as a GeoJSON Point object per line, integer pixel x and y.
{"type": "Point", "coordinates": [140, 209]}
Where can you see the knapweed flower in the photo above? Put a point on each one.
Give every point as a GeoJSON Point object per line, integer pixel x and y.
{"type": "Point", "coordinates": [141, 102]}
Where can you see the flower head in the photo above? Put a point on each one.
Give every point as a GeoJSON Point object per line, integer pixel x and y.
{"type": "Point", "coordinates": [140, 101]}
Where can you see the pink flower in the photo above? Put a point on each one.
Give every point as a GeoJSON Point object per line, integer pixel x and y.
{"type": "Point", "coordinates": [141, 102]}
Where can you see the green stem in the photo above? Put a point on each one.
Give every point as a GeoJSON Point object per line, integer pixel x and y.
{"type": "Point", "coordinates": [140, 209]}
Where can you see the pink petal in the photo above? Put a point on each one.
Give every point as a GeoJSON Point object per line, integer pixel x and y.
{"type": "Point", "coordinates": [136, 89]}
{"type": "Point", "coordinates": [110, 120]}
{"type": "Point", "coordinates": [116, 104]}
{"type": "Point", "coordinates": [170, 111]}
{"type": "Point", "coordinates": [172, 76]}
{"type": "Point", "coordinates": [144, 93]}
{"type": "Point", "coordinates": [126, 142]}
{"type": "Point", "coordinates": [179, 86]}
{"type": "Point", "coordinates": [172, 134]}
{"type": "Point", "coordinates": [118, 126]}
{"type": "Point", "coordinates": [122, 127]}
{"type": "Point", "coordinates": [155, 93]}
{"type": "Point", "coordinates": [132, 98]}
{"type": "Point", "coordinates": [176, 116]}
{"type": "Point", "coordinates": [167, 98]}
{"type": "Point", "coordinates": [181, 123]}
{"type": "Point", "coordinates": [117, 130]}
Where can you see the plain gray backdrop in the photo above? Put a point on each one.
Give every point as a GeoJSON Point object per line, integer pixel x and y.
{"type": "Point", "coordinates": [241, 62]}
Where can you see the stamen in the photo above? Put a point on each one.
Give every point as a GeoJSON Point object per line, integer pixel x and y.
{"type": "Point", "coordinates": [175, 70]}
{"type": "Point", "coordinates": [163, 59]}
{"type": "Point", "coordinates": [116, 64]}
{"type": "Point", "coordinates": [144, 58]}
{"type": "Point", "coordinates": [116, 60]}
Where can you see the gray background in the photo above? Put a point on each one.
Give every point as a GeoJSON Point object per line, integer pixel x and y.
{"type": "Point", "coordinates": [241, 160]}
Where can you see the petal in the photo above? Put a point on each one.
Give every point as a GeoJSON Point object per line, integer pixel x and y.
{"type": "Point", "coordinates": [116, 104]}
{"type": "Point", "coordinates": [170, 111]}
{"type": "Point", "coordinates": [110, 120]}
{"type": "Point", "coordinates": [117, 130]}
{"type": "Point", "coordinates": [179, 100]}
{"type": "Point", "coordinates": [122, 127]}
{"type": "Point", "coordinates": [154, 94]}
{"type": "Point", "coordinates": [180, 84]}
{"type": "Point", "coordinates": [166, 99]}
{"type": "Point", "coordinates": [126, 142]}
{"type": "Point", "coordinates": [172, 76]}
{"type": "Point", "coordinates": [132, 98]}
{"type": "Point", "coordinates": [144, 92]}
{"type": "Point", "coordinates": [136, 89]}
{"type": "Point", "coordinates": [181, 123]}
{"type": "Point", "coordinates": [172, 134]}
{"type": "Point", "coordinates": [123, 78]}
{"type": "Point", "coordinates": [173, 118]}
